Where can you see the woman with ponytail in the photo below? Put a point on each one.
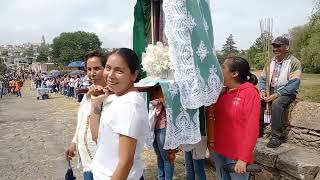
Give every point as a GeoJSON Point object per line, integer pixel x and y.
{"type": "Point", "coordinates": [236, 126]}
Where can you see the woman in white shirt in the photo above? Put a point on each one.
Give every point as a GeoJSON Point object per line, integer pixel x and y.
{"type": "Point", "coordinates": [82, 142]}
{"type": "Point", "coordinates": [124, 124]}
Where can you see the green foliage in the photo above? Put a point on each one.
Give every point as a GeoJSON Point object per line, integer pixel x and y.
{"type": "Point", "coordinates": [43, 51]}
{"type": "Point", "coordinates": [260, 60]}
{"type": "Point", "coordinates": [310, 55]}
{"type": "Point", "coordinates": [256, 55]}
{"type": "Point", "coordinates": [229, 48]}
{"type": "Point", "coordinates": [42, 58]}
{"type": "Point", "coordinates": [28, 52]}
{"type": "Point", "coordinates": [305, 44]}
{"type": "Point", "coordinates": [2, 67]}
{"type": "Point", "coordinates": [5, 53]}
{"type": "Point", "coordinates": [73, 45]}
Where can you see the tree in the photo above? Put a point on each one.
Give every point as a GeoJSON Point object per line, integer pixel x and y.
{"type": "Point", "coordinates": [317, 6]}
{"type": "Point", "coordinates": [254, 53]}
{"type": "Point", "coordinates": [5, 53]}
{"type": "Point", "coordinates": [229, 48]}
{"type": "Point", "coordinates": [2, 66]}
{"type": "Point", "coordinates": [298, 39]}
{"type": "Point", "coordinates": [305, 44]}
{"type": "Point", "coordinates": [42, 58]}
{"type": "Point", "coordinates": [43, 51]}
{"type": "Point", "coordinates": [73, 45]}
{"type": "Point", "coordinates": [28, 52]}
{"type": "Point", "coordinates": [260, 59]}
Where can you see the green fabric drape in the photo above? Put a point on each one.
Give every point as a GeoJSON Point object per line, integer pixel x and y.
{"type": "Point", "coordinates": [141, 26]}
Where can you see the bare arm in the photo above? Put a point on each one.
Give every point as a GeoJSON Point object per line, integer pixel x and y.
{"type": "Point", "coordinates": [95, 114]}
{"type": "Point", "coordinates": [127, 147]}
{"type": "Point", "coordinates": [95, 121]}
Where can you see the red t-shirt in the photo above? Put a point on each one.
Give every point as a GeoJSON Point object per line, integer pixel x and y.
{"type": "Point", "coordinates": [236, 126]}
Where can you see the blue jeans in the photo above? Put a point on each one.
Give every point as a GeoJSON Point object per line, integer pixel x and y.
{"type": "Point", "coordinates": [219, 162]}
{"type": "Point", "coordinates": [87, 175]}
{"type": "Point", "coordinates": [165, 169]}
{"type": "Point", "coordinates": [194, 168]}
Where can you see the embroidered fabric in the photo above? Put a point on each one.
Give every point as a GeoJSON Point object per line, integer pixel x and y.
{"type": "Point", "coordinates": [186, 129]}
{"type": "Point", "coordinates": [194, 90]}
{"type": "Point", "coordinates": [182, 124]}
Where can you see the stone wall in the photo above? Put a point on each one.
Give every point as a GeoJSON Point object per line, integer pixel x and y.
{"type": "Point", "coordinates": [299, 158]}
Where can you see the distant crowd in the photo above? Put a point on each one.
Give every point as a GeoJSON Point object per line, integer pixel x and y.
{"type": "Point", "coordinates": [11, 86]}
{"type": "Point", "coordinates": [67, 85]}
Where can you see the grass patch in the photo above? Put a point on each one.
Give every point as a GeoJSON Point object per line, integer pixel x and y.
{"type": "Point", "coordinates": [310, 88]}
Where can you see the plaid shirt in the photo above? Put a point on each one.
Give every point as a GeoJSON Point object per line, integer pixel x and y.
{"type": "Point", "coordinates": [276, 74]}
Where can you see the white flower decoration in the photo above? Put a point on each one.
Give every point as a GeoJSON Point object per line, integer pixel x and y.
{"type": "Point", "coordinates": [155, 60]}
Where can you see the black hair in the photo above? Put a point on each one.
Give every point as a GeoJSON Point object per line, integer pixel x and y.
{"type": "Point", "coordinates": [241, 65]}
{"type": "Point", "coordinates": [131, 58]}
{"type": "Point", "coordinates": [96, 53]}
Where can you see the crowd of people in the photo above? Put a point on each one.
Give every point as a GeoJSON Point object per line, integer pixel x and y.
{"type": "Point", "coordinates": [11, 85]}
{"type": "Point", "coordinates": [113, 121]}
{"type": "Point", "coordinates": [67, 85]}
{"type": "Point", "coordinates": [113, 118]}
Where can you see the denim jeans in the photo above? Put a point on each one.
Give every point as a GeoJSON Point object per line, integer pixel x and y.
{"type": "Point", "coordinates": [278, 107]}
{"type": "Point", "coordinates": [87, 175]}
{"type": "Point", "coordinates": [194, 168]}
{"type": "Point", "coordinates": [219, 162]}
{"type": "Point", "coordinates": [165, 169]}
{"type": "Point", "coordinates": [71, 92]}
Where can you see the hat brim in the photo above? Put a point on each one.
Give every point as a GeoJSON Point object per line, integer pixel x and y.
{"type": "Point", "coordinates": [278, 43]}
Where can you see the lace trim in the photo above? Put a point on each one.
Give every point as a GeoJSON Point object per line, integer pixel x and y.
{"type": "Point", "coordinates": [193, 89]}
{"type": "Point", "coordinates": [186, 130]}
{"type": "Point", "coordinates": [85, 139]}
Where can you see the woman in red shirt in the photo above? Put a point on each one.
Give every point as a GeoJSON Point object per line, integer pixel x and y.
{"type": "Point", "coordinates": [236, 125]}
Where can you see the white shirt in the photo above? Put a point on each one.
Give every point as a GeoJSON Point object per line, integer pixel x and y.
{"type": "Point", "coordinates": [86, 81]}
{"type": "Point", "coordinates": [76, 82]}
{"type": "Point", "coordinates": [48, 83]}
{"type": "Point", "coordinates": [83, 132]}
{"type": "Point", "coordinates": [72, 82]}
{"type": "Point", "coordinates": [127, 115]}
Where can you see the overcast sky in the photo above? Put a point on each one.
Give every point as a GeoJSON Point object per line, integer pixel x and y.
{"type": "Point", "coordinates": [27, 20]}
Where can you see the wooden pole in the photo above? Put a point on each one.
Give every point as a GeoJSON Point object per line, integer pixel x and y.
{"type": "Point", "coordinates": [152, 22]}
{"type": "Point", "coordinates": [266, 27]}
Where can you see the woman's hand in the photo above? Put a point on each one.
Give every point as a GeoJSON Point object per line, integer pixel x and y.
{"type": "Point", "coordinates": [240, 167]}
{"type": "Point", "coordinates": [70, 152]}
{"type": "Point", "coordinates": [98, 95]}
{"type": "Point", "coordinates": [210, 144]}
{"type": "Point", "coordinates": [90, 91]}
{"type": "Point", "coordinates": [95, 90]}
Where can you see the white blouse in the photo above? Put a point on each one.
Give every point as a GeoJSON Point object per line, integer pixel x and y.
{"type": "Point", "coordinates": [127, 115]}
{"type": "Point", "coordinates": [86, 147]}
